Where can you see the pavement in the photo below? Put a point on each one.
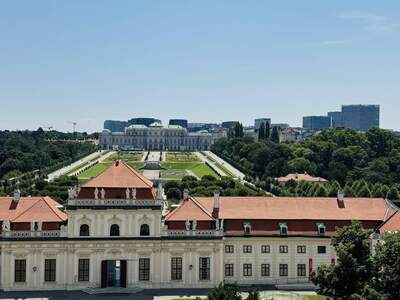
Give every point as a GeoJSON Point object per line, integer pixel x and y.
{"type": "Point", "coordinates": [65, 170]}
{"type": "Point", "coordinates": [154, 156]}
{"type": "Point", "coordinates": [235, 172]}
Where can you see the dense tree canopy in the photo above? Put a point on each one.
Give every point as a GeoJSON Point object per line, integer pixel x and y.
{"type": "Point", "coordinates": [340, 155]}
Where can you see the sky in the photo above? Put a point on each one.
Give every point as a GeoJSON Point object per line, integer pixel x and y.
{"type": "Point", "coordinates": [206, 61]}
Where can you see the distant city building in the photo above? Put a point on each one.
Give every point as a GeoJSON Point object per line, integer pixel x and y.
{"type": "Point", "coordinates": [156, 137]}
{"type": "Point", "coordinates": [180, 122]}
{"type": "Point", "coordinates": [194, 127]}
{"type": "Point", "coordinates": [229, 124]}
{"type": "Point", "coordinates": [291, 134]}
{"type": "Point", "coordinates": [336, 119]}
{"type": "Point", "coordinates": [316, 122]}
{"type": "Point", "coordinates": [115, 126]}
{"type": "Point", "coordinates": [280, 125]}
{"type": "Point", "coordinates": [300, 177]}
{"type": "Point", "coordinates": [360, 117]}
{"type": "Point", "coordinates": [259, 121]}
{"type": "Point", "coordinates": [143, 121]}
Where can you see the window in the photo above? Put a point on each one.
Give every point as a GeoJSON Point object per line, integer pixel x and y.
{"type": "Point", "coordinates": [321, 249]}
{"type": "Point", "coordinates": [247, 228]}
{"type": "Point", "coordinates": [229, 248]}
{"type": "Point", "coordinates": [283, 229]}
{"type": "Point", "coordinates": [83, 269]}
{"type": "Point", "coordinates": [283, 270]}
{"type": "Point", "coordinates": [228, 270]}
{"type": "Point", "coordinates": [265, 249]}
{"type": "Point", "coordinates": [321, 229]}
{"type": "Point", "coordinates": [283, 249]}
{"type": "Point", "coordinates": [204, 268]}
{"type": "Point", "coordinates": [247, 249]}
{"type": "Point", "coordinates": [247, 270]}
{"type": "Point", "coordinates": [301, 270]}
{"type": "Point", "coordinates": [20, 270]}
{"type": "Point", "coordinates": [144, 269]}
{"type": "Point", "coordinates": [144, 230]}
{"type": "Point", "coordinates": [176, 268]}
{"type": "Point", "coordinates": [84, 230]}
{"type": "Point", "coordinates": [265, 270]}
{"type": "Point", "coordinates": [114, 230]}
{"type": "Point", "coordinates": [301, 249]}
{"type": "Point", "coordinates": [49, 270]}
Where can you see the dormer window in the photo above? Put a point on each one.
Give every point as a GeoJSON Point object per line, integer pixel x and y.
{"type": "Point", "coordinates": [321, 229]}
{"type": "Point", "coordinates": [283, 229]}
{"type": "Point", "coordinates": [247, 228]}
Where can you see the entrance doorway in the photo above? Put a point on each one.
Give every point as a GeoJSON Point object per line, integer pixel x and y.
{"type": "Point", "coordinates": [113, 273]}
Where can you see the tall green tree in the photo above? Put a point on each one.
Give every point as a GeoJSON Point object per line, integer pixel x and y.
{"type": "Point", "coordinates": [261, 132]}
{"type": "Point", "coordinates": [275, 135]}
{"type": "Point", "coordinates": [267, 130]}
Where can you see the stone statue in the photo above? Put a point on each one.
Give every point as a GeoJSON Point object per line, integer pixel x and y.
{"type": "Point", "coordinates": [96, 193]}
{"type": "Point", "coordinates": [216, 224]}
{"type": "Point", "coordinates": [71, 193]}
{"type": "Point", "coordinates": [103, 193]}
{"type": "Point", "coordinates": [222, 224]}
{"type": "Point", "coordinates": [6, 225]}
{"type": "Point", "coordinates": [194, 224]}
{"type": "Point", "coordinates": [187, 223]}
{"type": "Point", "coordinates": [133, 193]}
{"type": "Point", "coordinates": [127, 193]}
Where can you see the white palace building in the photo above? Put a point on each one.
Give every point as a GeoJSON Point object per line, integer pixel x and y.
{"type": "Point", "coordinates": [116, 231]}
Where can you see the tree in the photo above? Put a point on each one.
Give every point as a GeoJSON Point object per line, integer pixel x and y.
{"type": "Point", "coordinates": [387, 262]}
{"type": "Point", "coordinates": [275, 135]}
{"type": "Point", "coordinates": [261, 131]}
{"type": "Point", "coordinates": [354, 268]}
{"type": "Point", "coordinates": [225, 292]}
{"type": "Point", "coordinates": [393, 194]}
{"type": "Point", "coordinates": [267, 130]}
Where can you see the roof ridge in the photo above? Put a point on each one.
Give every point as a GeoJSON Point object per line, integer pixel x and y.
{"type": "Point", "coordinates": [201, 206]}
{"type": "Point", "coordinates": [54, 209]}
{"type": "Point", "coordinates": [136, 173]}
{"type": "Point", "coordinates": [23, 212]}
{"type": "Point", "coordinates": [387, 220]}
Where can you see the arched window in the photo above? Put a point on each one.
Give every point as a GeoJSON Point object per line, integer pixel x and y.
{"type": "Point", "coordinates": [114, 230]}
{"type": "Point", "coordinates": [144, 230]}
{"type": "Point", "coordinates": [84, 230]}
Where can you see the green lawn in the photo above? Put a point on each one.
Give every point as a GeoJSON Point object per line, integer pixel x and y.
{"type": "Point", "coordinates": [136, 164]}
{"type": "Point", "coordinates": [127, 156]}
{"type": "Point", "coordinates": [223, 169]}
{"type": "Point", "coordinates": [198, 168]}
{"type": "Point", "coordinates": [93, 171]}
{"type": "Point", "coordinates": [181, 157]}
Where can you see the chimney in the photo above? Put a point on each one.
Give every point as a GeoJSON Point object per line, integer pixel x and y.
{"type": "Point", "coordinates": [216, 201]}
{"type": "Point", "coordinates": [17, 195]}
{"type": "Point", "coordinates": [185, 194]}
{"type": "Point", "coordinates": [340, 199]}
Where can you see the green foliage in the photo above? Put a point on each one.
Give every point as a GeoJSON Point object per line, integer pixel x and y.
{"type": "Point", "coordinates": [253, 295]}
{"type": "Point", "coordinates": [225, 292]}
{"type": "Point", "coordinates": [275, 135]}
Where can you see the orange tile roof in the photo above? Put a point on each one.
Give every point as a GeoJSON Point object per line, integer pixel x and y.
{"type": "Point", "coordinates": [287, 208]}
{"type": "Point", "coordinates": [301, 177]}
{"type": "Point", "coordinates": [119, 175]}
{"type": "Point", "coordinates": [30, 209]}
{"type": "Point", "coordinates": [391, 224]}
{"type": "Point", "coordinates": [189, 210]}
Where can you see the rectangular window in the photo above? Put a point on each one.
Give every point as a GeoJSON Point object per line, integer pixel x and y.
{"type": "Point", "coordinates": [83, 269]}
{"type": "Point", "coordinates": [228, 270]}
{"type": "Point", "coordinates": [283, 249]}
{"type": "Point", "coordinates": [49, 270]}
{"type": "Point", "coordinates": [176, 268]}
{"type": "Point", "coordinates": [229, 249]}
{"type": "Point", "coordinates": [144, 269]}
{"type": "Point", "coordinates": [20, 270]}
{"type": "Point", "coordinates": [301, 270]}
{"type": "Point", "coordinates": [204, 268]}
{"type": "Point", "coordinates": [247, 249]}
{"type": "Point", "coordinates": [265, 249]}
{"type": "Point", "coordinates": [321, 249]}
{"type": "Point", "coordinates": [283, 270]}
{"type": "Point", "coordinates": [301, 249]}
{"type": "Point", "coordinates": [265, 270]}
{"type": "Point", "coordinates": [247, 270]}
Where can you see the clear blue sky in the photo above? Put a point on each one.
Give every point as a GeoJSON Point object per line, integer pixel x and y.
{"type": "Point", "coordinates": [88, 61]}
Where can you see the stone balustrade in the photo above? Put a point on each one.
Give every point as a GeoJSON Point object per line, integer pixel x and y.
{"type": "Point", "coordinates": [115, 202]}
{"type": "Point", "coordinates": [32, 234]}
{"type": "Point", "coordinates": [198, 233]}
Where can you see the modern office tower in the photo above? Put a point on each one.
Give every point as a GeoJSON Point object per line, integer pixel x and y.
{"type": "Point", "coordinates": [316, 122]}
{"type": "Point", "coordinates": [259, 121]}
{"type": "Point", "coordinates": [143, 121]}
{"type": "Point", "coordinates": [280, 125]}
{"type": "Point", "coordinates": [180, 122]}
{"type": "Point", "coordinates": [336, 119]}
{"type": "Point", "coordinates": [115, 126]}
{"type": "Point", "coordinates": [360, 117]}
{"type": "Point", "coordinates": [229, 124]}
